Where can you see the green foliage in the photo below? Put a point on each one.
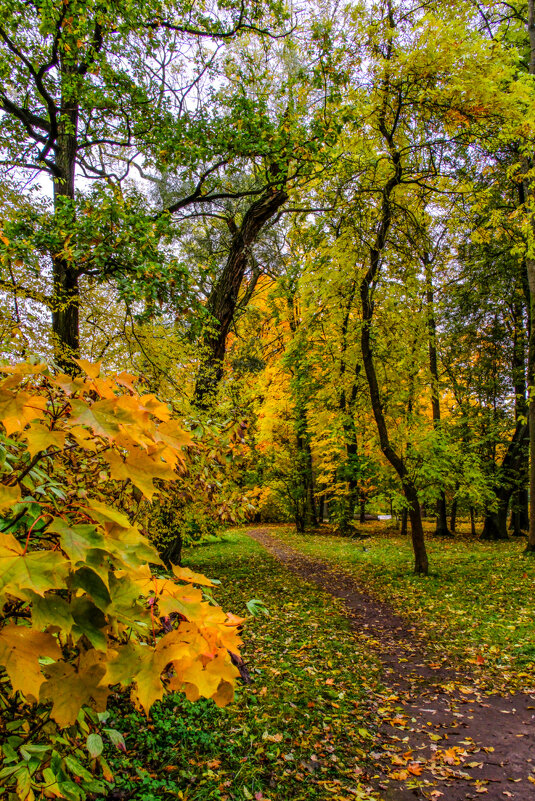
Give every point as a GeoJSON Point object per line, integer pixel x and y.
{"type": "Point", "coordinates": [307, 702]}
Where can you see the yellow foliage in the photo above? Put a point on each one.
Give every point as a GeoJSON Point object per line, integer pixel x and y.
{"type": "Point", "coordinates": [80, 568]}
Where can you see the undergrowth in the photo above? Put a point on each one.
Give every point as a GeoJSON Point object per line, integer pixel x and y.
{"type": "Point", "coordinates": [300, 731]}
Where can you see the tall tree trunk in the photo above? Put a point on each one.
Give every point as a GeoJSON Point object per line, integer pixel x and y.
{"type": "Point", "coordinates": [530, 267]}
{"type": "Point", "coordinates": [312, 512]}
{"type": "Point", "coordinates": [65, 292]}
{"type": "Point", "coordinates": [223, 299]}
{"type": "Point", "coordinates": [519, 523]}
{"type": "Point", "coordinates": [421, 564]}
{"type": "Point", "coordinates": [441, 529]}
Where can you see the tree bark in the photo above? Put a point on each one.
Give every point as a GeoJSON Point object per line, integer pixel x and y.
{"type": "Point", "coordinates": [421, 564]}
{"type": "Point", "coordinates": [362, 517]}
{"type": "Point", "coordinates": [65, 292]}
{"type": "Point", "coordinates": [519, 522]}
{"type": "Point", "coordinates": [441, 529]}
{"type": "Point", "coordinates": [223, 299]}
{"type": "Point", "coordinates": [453, 517]}
{"type": "Point", "coordinates": [530, 268]}
{"type": "Point", "coordinates": [495, 525]}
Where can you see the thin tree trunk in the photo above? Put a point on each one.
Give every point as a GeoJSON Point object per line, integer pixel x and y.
{"type": "Point", "coordinates": [311, 498]}
{"type": "Point", "coordinates": [453, 517]}
{"type": "Point", "coordinates": [530, 266]}
{"type": "Point", "coordinates": [519, 523]}
{"type": "Point", "coordinates": [321, 508]}
{"type": "Point", "coordinates": [421, 564]}
{"type": "Point", "coordinates": [472, 522]}
{"type": "Point", "coordinates": [441, 529]}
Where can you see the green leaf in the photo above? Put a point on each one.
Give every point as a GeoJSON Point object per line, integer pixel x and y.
{"type": "Point", "coordinates": [116, 737]}
{"type": "Point", "coordinates": [94, 745]}
{"type": "Point", "coordinates": [51, 610]}
{"type": "Point", "coordinates": [86, 579]}
{"type": "Point", "coordinates": [89, 620]}
{"type": "Point", "coordinates": [77, 540]}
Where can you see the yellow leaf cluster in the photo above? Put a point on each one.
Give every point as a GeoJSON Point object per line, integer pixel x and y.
{"type": "Point", "coordinates": [95, 613]}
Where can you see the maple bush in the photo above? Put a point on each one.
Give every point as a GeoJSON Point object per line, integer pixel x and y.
{"type": "Point", "coordinates": [86, 604]}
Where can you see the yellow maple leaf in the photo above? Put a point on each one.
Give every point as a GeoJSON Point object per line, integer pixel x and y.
{"type": "Point", "coordinates": [155, 407]}
{"type": "Point", "coordinates": [8, 496]}
{"type": "Point", "coordinates": [91, 370]}
{"type": "Point", "coordinates": [20, 649]}
{"type": "Point", "coordinates": [224, 694]}
{"type": "Point", "coordinates": [17, 409]}
{"type": "Point", "coordinates": [141, 469]}
{"type": "Point", "coordinates": [69, 689]}
{"type": "Point", "coordinates": [38, 438]}
{"type": "Point", "coordinates": [185, 574]}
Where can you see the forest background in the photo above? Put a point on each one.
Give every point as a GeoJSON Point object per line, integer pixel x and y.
{"type": "Point", "coordinates": [299, 239]}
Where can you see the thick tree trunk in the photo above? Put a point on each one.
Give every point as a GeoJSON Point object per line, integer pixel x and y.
{"type": "Point", "coordinates": [65, 293]}
{"type": "Point", "coordinates": [404, 520]}
{"type": "Point", "coordinates": [224, 297]}
{"type": "Point", "coordinates": [495, 525]}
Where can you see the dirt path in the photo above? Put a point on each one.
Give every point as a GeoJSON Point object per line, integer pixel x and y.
{"type": "Point", "coordinates": [440, 737]}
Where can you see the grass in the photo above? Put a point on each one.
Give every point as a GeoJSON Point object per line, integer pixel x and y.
{"type": "Point", "coordinates": [300, 731]}
{"type": "Point", "coordinates": [476, 606]}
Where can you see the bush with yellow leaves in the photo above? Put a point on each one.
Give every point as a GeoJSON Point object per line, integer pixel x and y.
{"type": "Point", "coordinates": [86, 605]}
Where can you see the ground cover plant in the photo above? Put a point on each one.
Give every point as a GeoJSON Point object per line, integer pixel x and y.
{"type": "Point", "coordinates": [475, 607]}
{"type": "Point", "coordinates": [302, 729]}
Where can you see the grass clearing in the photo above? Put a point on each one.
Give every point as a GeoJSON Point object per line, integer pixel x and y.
{"type": "Point", "coordinates": [476, 606]}
{"type": "Point", "coordinates": [300, 731]}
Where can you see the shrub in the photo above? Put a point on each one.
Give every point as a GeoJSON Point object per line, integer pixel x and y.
{"type": "Point", "coordinates": [85, 605]}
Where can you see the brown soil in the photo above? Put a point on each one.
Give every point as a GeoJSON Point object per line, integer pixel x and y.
{"type": "Point", "coordinates": [440, 737]}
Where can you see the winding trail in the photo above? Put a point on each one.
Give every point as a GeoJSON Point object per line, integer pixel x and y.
{"type": "Point", "coordinates": [440, 737]}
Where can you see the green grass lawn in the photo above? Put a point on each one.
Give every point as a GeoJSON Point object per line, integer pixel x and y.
{"type": "Point", "coordinates": [477, 605]}
{"type": "Point", "coordinates": [301, 731]}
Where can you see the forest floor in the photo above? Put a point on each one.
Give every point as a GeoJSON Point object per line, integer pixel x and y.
{"type": "Point", "coordinates": [369, 683]}
{"type": "Point", "coordinates": [440, 732]}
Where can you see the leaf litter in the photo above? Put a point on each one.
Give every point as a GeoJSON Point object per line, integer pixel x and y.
{"type": "Point", "coordinates": [438, 730]}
